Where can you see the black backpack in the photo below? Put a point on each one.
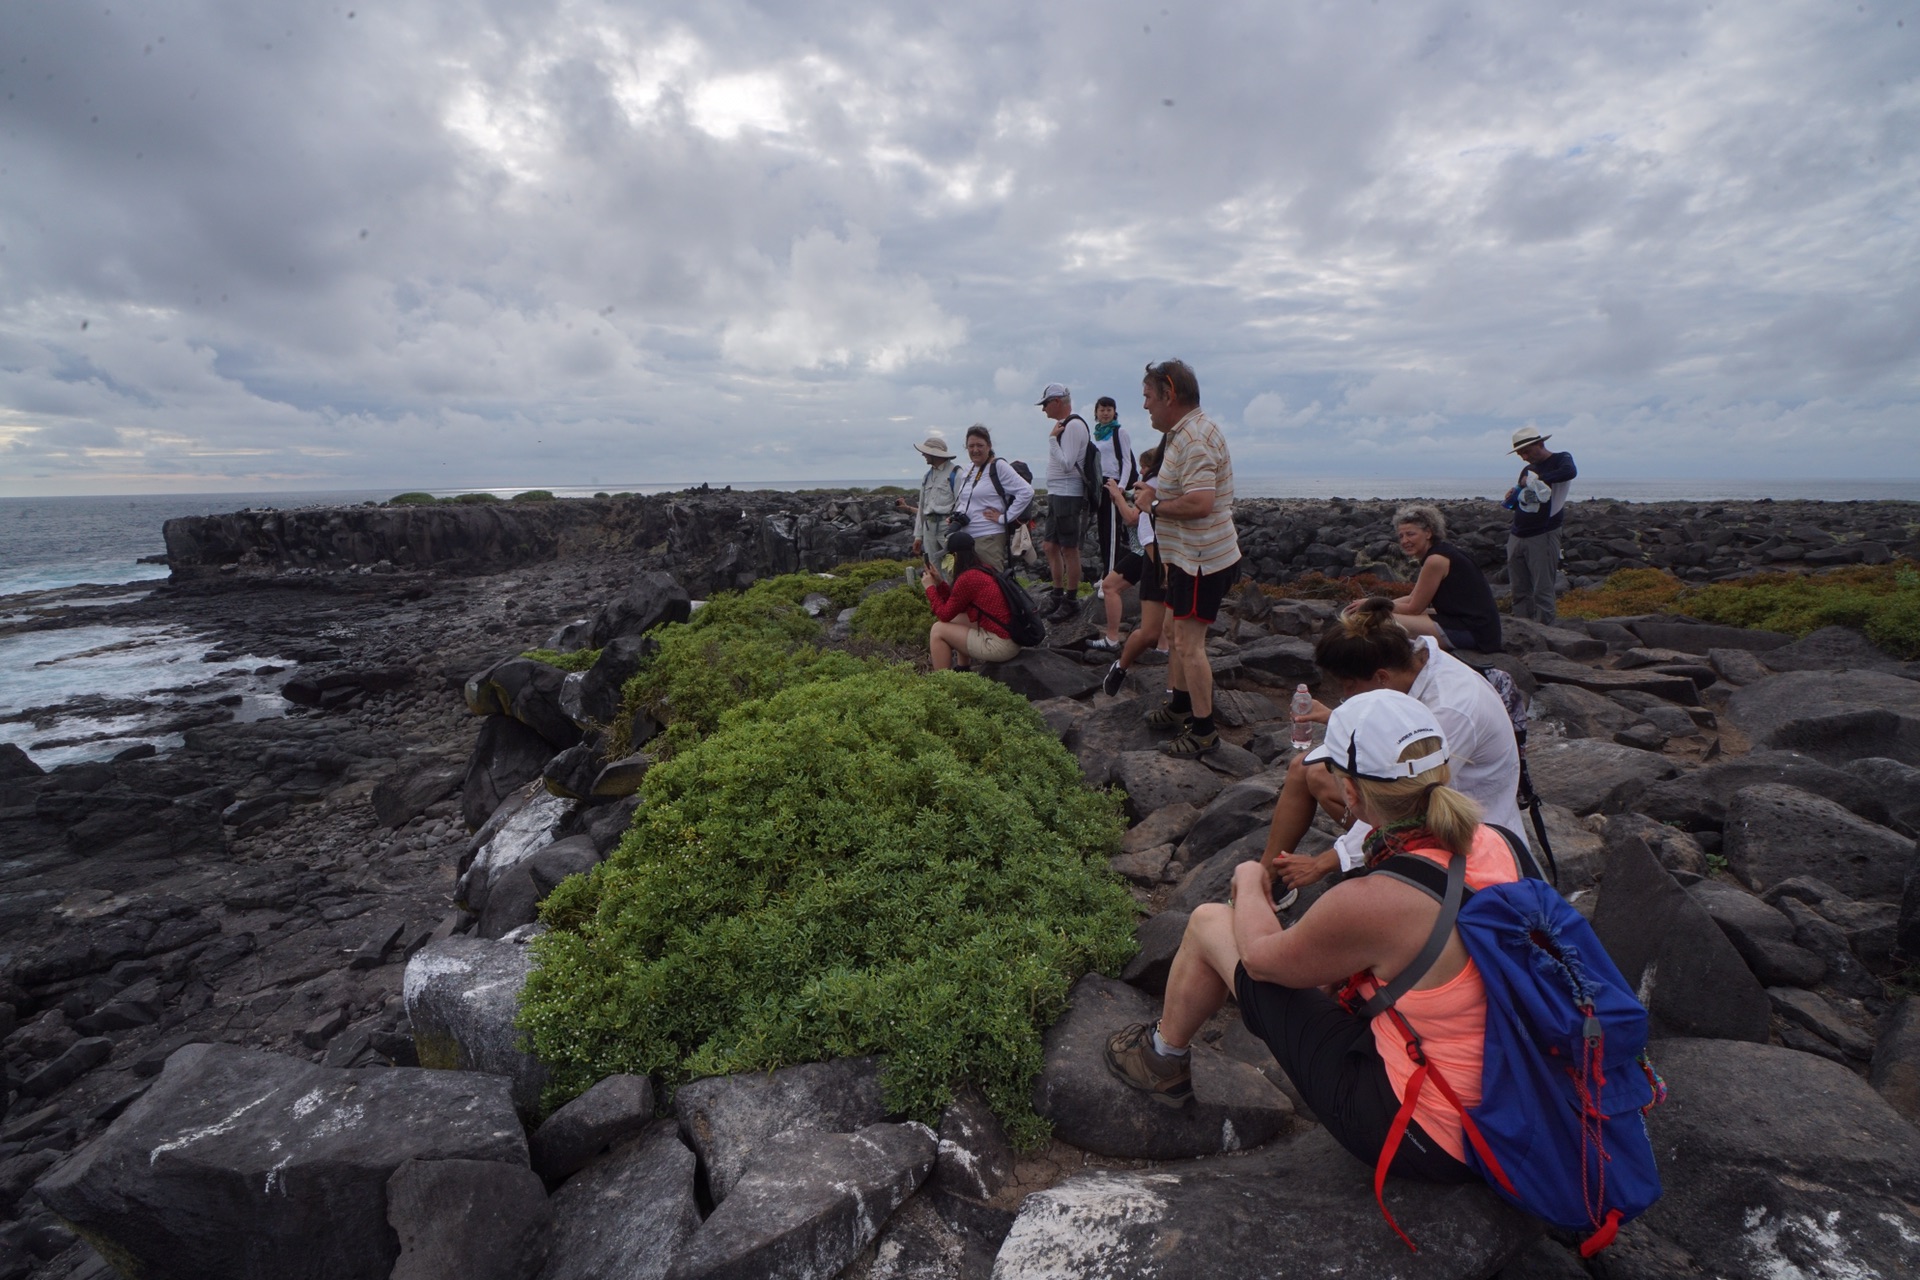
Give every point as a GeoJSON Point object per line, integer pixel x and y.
{"type": "Point", "coordinates": [1023, 624]}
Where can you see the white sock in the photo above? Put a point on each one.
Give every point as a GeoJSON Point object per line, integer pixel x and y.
{"type": "Point", "coordinates": [1162, 1047]}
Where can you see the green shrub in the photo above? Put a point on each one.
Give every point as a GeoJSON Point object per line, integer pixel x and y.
{"type": "Point", "coordinates": [533, 495]}
{"type": "Point", "coordinates": [875, 862]}
{"type": "Point", "coordinates": [473, 498]}
{"type": "Point", "coordinates": [1881, 600]}
{"type": "Point", "coordinates": [897, 616]}
{"type": "Point", "coordinates": [412, 499]}
{"type": "Point", "coordinates": [578, 660]}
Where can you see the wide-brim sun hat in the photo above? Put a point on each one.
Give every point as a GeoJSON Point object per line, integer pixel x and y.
{"type": "Point", "coordinates": [1367, 733]}
{"type": "Point", "coordinates": [935, 446]}
{"type": "Point", "coordinates": [1526, 436]}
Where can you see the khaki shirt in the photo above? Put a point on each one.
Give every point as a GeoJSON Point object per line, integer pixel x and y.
{"type": "Point", "coordinates": [1194, 456]}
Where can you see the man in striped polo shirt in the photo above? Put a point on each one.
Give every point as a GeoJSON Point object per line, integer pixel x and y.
{"type": "Point", "coordinates": [1193, 518]}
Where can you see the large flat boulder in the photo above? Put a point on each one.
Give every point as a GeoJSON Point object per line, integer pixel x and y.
{"type": "Point", "coordinates": [1282, 659]}
{"type": "Point", "coordinates": [1780, 1163]}
{"type": "Point", "coordinates": [1688, 975]}
{"type": "Point", "coordinates": [1689, 636]}
{"type": "Point", "coordinates": [1774, 832]}
{"type": "Point", "coordinates": [244, 1164]}
{"type": "Point", "coordinates": [1039, 674]}
{"type": "Point", "coordinates": [729, 1120]}
{"type": "Point", "coordinates": [1697, 799]}
{"type": "Point", "coordinates": [463, 997]}
{"type": "Point", "coordinates": [626, 1216]}
{"type": "Point", "coordinates": [1762, 934]}
{"type": "Point", "coordinates": [810, 1204]}
{"type": "Point", "coordinates": [506, 756]}
{"type": "Point", "coordinates": [529, 692]}
{"type": "Point", "coordinates": [1234, 1107]}
{"type": "Point", "coordinates": [1154, 780]}
{"type": "Point", "coordinates": [1551, 668]}
{"type": "Point", "coordinates": [1302, 1209]}
{"type": "Point", "coordinates": [468, 1220]}
{"type": "Point", "coordinates": [1568, 711]}
{"type": "Point", "coordinates": [1835, 716]}
{"type": "Point", "coordinates": [1587, 775]}
{"type": "Point", "coordinates": [1832, 649]}
{"type": "Point", "coordinates": [652, 599]}
{"type": "Point", "coordinates": [614, 1110]}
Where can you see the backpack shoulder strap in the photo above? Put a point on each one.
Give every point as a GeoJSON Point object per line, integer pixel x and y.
{"type": "Point", "coordinates": [1389, 995]}
{"type": "Point", "coordinates": [1523, 863]}
{"type": "Point", "coordinates": [993, 474]}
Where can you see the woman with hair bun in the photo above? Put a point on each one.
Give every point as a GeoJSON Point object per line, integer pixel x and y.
{"type": "Point", "coordinates": [1367, 647]}
{"type": "Point", "coordinates": [1450, 597]}
{"type": "Point", "coordinates": [1389, 758]}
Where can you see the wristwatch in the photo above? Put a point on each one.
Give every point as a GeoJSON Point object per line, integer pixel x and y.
{"type": "Point", "coordinates": [1153, 508]}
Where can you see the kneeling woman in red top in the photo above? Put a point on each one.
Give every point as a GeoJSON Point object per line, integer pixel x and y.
{"type": "Point", "coordinates": [972, 612]}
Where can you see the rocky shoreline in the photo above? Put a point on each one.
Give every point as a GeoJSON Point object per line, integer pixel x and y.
{"type": "Point", "coordinates": [1736, 811]}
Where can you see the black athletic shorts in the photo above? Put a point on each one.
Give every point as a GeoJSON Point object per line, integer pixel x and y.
{"type": "Point", "coordinates": [1153, 579]}
{"type": "Point", "coordinates": [1191, 597]}
{"type": "Point", "coordinates": [1130, 565]}
{"type": "Point", "coordinates": [1066, 520]}
{"type": "Point", "coordinates": [1330, 1056]}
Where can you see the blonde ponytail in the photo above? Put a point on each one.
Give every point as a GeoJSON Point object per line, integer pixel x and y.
{"type": "Point", "coordinates": [1450, 817]}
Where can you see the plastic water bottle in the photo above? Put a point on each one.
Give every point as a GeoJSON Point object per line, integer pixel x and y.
{"type": "Point", "coordinates": [1302, 729]}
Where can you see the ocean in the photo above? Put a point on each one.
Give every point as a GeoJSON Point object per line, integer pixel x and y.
{"type": "Point", "coordinates": [86, 693]}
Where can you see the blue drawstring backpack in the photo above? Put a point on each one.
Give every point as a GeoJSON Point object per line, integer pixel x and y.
{"type": "Point", "coordinates": [1560, 1130]}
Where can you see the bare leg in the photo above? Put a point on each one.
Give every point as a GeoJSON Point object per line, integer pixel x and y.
{"type": "Point", "coordinates": [1115, 585]}
{"type": "Point", "coordinates": [1192, 671]}
{"type": "Point", "coordinates": [1153, 616]}
{"type": "Point", "coordinates": [1202, 975]}
{"type": "Point", "coordinates": [1070, 567]}
{"type": "Point", "coordinates": [943, 639]}
{"type": "Point", "coordinates": [1056, 555]}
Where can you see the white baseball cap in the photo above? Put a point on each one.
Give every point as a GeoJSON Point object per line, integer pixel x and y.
{"type": "Point", "coordinates": [1367, 733]}
{"type": "Point", "coordinates": [1054, 389]}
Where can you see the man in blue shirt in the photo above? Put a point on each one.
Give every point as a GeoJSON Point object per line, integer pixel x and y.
{"type": "Point", "coordinates": [1538, 501]}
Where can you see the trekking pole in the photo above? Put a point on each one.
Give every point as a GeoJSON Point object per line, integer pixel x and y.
{"type": "Point", "coordinates": [1530, 801]}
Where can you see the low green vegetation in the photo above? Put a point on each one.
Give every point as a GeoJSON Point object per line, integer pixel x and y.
{"type": "Point", "coordinates": [414, 499]}
{"type": "Point", "coordinates": [473, 499]}
{"type": "Point", "coordinates": [899, 615]}
{"type": "Point", "coordinates": [887, 863]}
{"type": "Point", "coordinates": [1881, 600]}
{"type": "Point", "coordinates": [578, 660]}
{"type": "Point", "coordinates": [840, 855]}
{"type": "Point", "coordinates": [533, 495]}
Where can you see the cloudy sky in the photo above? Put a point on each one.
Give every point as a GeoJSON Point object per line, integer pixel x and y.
{"type": "Point", "coordinates": [464, 243]}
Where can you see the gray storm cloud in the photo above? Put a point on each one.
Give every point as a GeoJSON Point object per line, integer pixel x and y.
{"type": "Point", "coordinates": [464, 243]}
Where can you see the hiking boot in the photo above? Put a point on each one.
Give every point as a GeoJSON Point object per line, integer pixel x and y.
{"type": "Point", "coordinates": [1189, 745]}
{"type": "Point", "coordinates": [1067, 608]}
{"type": "Point", "coordinates": [1110, 683]}
{"type": "Point", "coordinates": [1164, 717]}
{"type": "Point", "coordinates": [1166, 1078]}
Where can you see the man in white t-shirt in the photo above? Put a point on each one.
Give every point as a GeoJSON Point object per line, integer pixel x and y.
{"type": "Point", "coordinates": [1066, 498]}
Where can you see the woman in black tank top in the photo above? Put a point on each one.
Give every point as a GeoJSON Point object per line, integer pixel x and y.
{"type": "Point", "coordinates": [1450, 598]}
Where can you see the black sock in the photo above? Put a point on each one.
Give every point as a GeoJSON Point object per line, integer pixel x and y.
{"type": "Point", "coordinates": [1179, 700]}
{"type": "Point", "coordinates": [1201, 725]}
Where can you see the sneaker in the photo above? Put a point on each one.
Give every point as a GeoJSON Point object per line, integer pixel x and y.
{"type": "Point", "coordinates": [1110, 683]}
{"type": "Point", "coordinates": [1163, 717]}
{"type": "Point", "coordinates": [1189, 745]}
{"type": "Point", "coordinates": [1100, 644]}
{"type": "Point", "coordinates": [1166, 1078]}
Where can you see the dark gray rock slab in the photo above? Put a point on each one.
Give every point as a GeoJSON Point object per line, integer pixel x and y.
{"type": "Point", "coordinates": [652, 599]}
{"type": "Point", "coordinates": [975, 1159]}
{"type": "Point", "coordinates": [1286, 661]}
{"type": "Point", "coordinates": [575, 855]}
{"type": "Point", "coordinates": [240, 1163]}
{"type": "Point", "coordinates": [1775, 831]}
{"type": "Point", "coordinates": [1738, 666]}
{"type": "Point", "coordinates": [1688, 975]}
{"type": "Point", "coordinates": [529, 692]}
{"type": "Point", "coordinates": [1168, 825]}
{"type": "Point", "coordinates": [1232, 761]}
{"type": "Point", "coordinates": [1675, 850]}
{"type": "Point", "coordinates": [1158, 937]}
{"type": "Point", "coordinates": [406, 793]}
{"type": "Point", "coordinates": [1897, 785]}
{"type": "Point", "coordinates": [1550, 668]}
{"type": "Point", "coordinates": [1039, 674]}
{"type": "Point", "coordinates": [729, 1120]}
{"type": "Point", "coordinates": [612, 1111]}
{"type": "Point", "coordinates": [501, 847]}
{"type": "Point", "coordinates": [1895, 1074]}
{"type": "Point", "coordinates": [809, 1204]}
{"type": "Point", "coordinates": [1587, 775]}
{"type": "Point", "coordinates": [1698, 799]}
{"type": "Point", "coordinates": [1218, 828]}
{"type": "Point", "coordinates": [1523, 635]}
{"type": "Point", "coordinates": [1809, 1010]}
{"type": "Point", "coordinates": [467, 1220]}
{"type": "Point", "coordinates": [934, 1237]}
{"type": "Point", "coordinates": [513, 901]}
{"type": "Point", "coordinates": [570, 774]}
{"type": "Point", "coordinates": [1568, 711]}
{"type": "Point", "coordinates": [1814, 932]}
{"type": "Point", "coordinates": [1838, 649]}
{"type": "Point", "coordinates": [462, 997]}
{"type": "Point", "coordinates": [593, 700]}
{"type": "Point", "coordinates": [506, 757]}
{"type": "Point", "coordinates": [1234, 1107]}
{"type": "Point", "coordinates": [1700, 637]}
{"type": "Point", "coordinates": [1546, 1259]}
{"type": "Point", "coordinates": [1834, 716]}
{"type": "Point", "coordinates": [1283, 1214]}
{"type": "Point", "coordinates": [1776, 1162]}
{"type": "Point", "coordinates": [1762, 934]}
{"type": "Point", "coordinates": [627, 1215]}
{"type": "Point", "coordinates": [1153, 780]}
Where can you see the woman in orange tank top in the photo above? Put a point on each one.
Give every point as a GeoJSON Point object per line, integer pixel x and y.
{"type": "Point", "coordinates": [1391, 760]}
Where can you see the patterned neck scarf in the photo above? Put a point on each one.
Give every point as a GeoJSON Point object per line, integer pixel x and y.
{"type": "Point", "coordinates": [1383, 842]}
{"type": "Point", "coordinates": [1103, 431]}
